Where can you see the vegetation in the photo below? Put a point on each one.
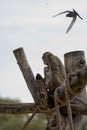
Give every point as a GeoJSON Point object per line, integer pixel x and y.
{"type": "Point", "coordinates": [16, 122]}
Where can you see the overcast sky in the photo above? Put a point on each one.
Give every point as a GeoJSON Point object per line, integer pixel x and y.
{"type": "Point", "coordinates": [29, 24]}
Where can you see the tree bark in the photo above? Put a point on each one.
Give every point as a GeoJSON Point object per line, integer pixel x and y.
{"type": "Point", "coordinates": [77, 109]}
{"type": "Point", "coordinates": [26, 108]}
{"type": "Point", "coordinates": [78, 82]}
{"type": "Point", "coordinates": [20, 108]}
{"type": "Point", "coordinates": [75, 61]}
{"type": "Point", "coordinates": [27, 72]}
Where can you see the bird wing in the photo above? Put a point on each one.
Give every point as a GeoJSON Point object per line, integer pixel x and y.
{"type": "Point", "coordinates": [80, 17]}
{"type": "Point", "coordinates": [78, 14]}
{"type": "Point", "coordinates": [71, 24]}
{"type": "Point", "coordinates": [67, 11]}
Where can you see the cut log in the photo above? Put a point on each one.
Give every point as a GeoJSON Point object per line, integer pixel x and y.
{"type": "Point", "coordinates": [75, 61]}
{"type": "Point", "coordinates": [27, 72]}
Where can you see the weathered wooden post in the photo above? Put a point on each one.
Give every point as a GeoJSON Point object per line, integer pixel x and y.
{"type": "Point", "coordinates": [49, 93]}
{"type": "Point", "coordinates": [75, 61]}
{"type": "Point", "coordinates": [27, 72]}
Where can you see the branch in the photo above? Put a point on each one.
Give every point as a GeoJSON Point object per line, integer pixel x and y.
{"type": "Point", "coordinates": [77, 81]}
{"type": "Point", "coordinates": [77, 109]}
{"type": "Point", "coordinates": [27, 72]}
{"type": "Point", "coordinates": [26, 108]}
{"type": "Point", "coordinates": [20, 108]}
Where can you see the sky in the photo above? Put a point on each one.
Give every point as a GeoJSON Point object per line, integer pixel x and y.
{"type": "Point", "coordinates": [30, 24]}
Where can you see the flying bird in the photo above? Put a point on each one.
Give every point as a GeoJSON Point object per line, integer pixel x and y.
{"type": "Point", "coordinates": [72, 14]}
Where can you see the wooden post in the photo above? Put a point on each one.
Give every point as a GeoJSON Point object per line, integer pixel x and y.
{"type": "Point", "coordinates": [75, 61]}
{"type": "Point", "coordinates": [18, 108]}
{"type": "Point", "coordinates": [27, 72]}
{"type": "Point", "coordinates": [75, 65]}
